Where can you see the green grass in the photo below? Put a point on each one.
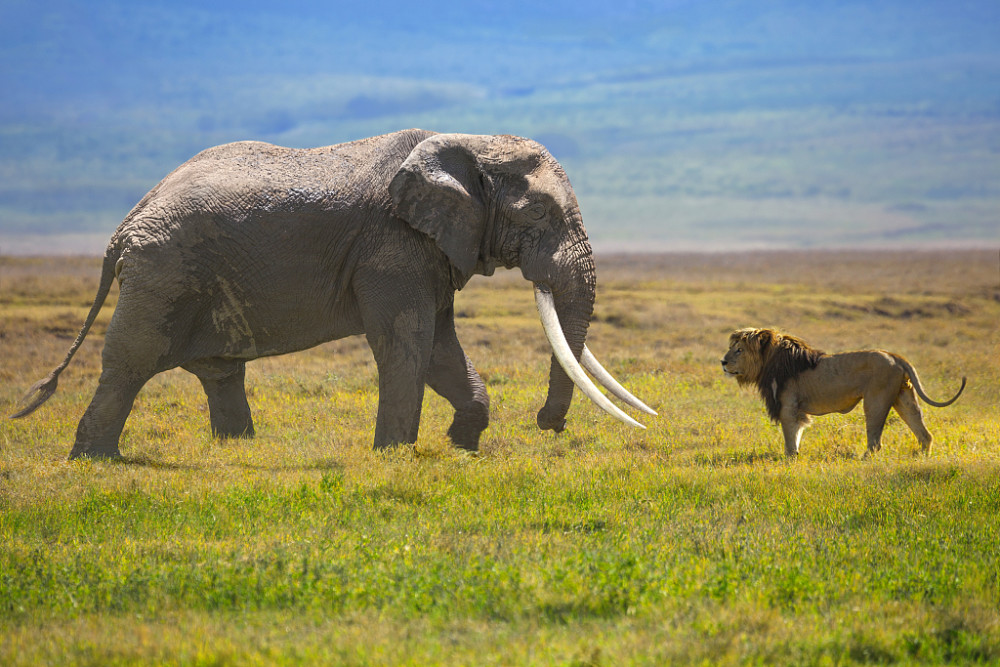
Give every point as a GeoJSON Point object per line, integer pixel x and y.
{"type": "Point", "coordinates": [691, 542]}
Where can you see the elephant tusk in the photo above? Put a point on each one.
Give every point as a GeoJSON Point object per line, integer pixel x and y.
{"type": "Point", "coordinates": [560, 348]}
{"type": "Point", "coordinates": [594, 367]}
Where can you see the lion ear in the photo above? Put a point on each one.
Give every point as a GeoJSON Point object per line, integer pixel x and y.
{"type": "Point", "coordinates": [767, 339]}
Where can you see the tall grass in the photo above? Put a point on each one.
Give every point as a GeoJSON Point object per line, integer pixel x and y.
{"type": "Point", "coordinates": [691, 542]}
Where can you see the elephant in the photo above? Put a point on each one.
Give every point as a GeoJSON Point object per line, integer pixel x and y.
{"type": "Point", "coordinates": [250, 249]}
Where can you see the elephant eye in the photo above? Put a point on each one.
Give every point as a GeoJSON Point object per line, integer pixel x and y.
{"type": "Point", "coordinates": [536, 211]}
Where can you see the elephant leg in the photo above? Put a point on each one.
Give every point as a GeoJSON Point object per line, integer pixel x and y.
{"type": "Point", "coordinates": [101, 426]}
{"type": "Point", "coordinates": [223, 382]}
{"type": "Point", "coordinates": [400, 391]}
{"type": "Point", "coordinates": [133, 352]}
{"type": "Point", "coordinates": [452, 375]}
{"type": "Point", "coordinates": [402, 352]}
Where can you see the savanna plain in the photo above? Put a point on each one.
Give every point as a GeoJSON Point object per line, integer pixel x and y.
{"type": "Point", "coordinates": [693, 541]}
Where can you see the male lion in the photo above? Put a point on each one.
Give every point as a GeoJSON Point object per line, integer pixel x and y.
{"type": "Point", "coordinates": [796, 381]}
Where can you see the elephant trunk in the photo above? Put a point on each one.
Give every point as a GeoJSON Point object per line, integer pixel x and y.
{"type": "Point", "coordinates": [565, 306]}
{"type": "Point", "coordinates": [571, 318]}
{"type": "Point", "coordinates": [564, 292]}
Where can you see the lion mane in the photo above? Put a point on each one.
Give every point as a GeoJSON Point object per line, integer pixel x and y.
{"type": "Point", "coordinates": [773, 358]}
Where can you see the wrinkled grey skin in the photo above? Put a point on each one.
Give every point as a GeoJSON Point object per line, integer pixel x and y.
{"type": "Point", "coordinates": [250, 250]}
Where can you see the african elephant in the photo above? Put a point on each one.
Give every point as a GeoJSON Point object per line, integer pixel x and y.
{"type": "Point", "coordinates": [250, 249]}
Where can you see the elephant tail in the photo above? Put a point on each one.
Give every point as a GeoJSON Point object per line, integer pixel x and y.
{"type": "Point", "coordinates": [44, 389]}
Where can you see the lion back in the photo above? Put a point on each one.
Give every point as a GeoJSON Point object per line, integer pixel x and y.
{"type": "Point", "coordinates": [786, 357]}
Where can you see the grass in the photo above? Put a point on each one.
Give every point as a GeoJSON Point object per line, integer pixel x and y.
{"type": "Point", "coordinates": [691, 542]}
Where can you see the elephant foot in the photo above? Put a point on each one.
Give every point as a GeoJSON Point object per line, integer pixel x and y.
{"type": "Point", "coordinates": [390, 446]}
{"type": "Point", "coordinates": [234, 432]}
{"type": "Point", "coordinates": [549, 420]}
{"type": "Point", "coordinates": [467, 441]}
{"type": "Point", "coordinates": [100, 453]}
{"type": "Point", "coordinates": [104, 446]}
{"type": "Point", "coordinates": [467, 426]}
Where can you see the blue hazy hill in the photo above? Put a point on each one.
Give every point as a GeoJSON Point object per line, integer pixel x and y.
{"type": "Point", "coordinates": [698, 123]}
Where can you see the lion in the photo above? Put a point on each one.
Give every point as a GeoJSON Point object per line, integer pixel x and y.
{"type": "Point", "coordinates": [796, 381]}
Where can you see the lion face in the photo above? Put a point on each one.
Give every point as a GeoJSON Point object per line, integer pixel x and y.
{"type": "Point", "coordinates": [744, 359]}
{"type": "Point", "coordinates": [733, 362]}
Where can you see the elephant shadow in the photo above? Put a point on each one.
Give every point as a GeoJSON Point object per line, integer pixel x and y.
{"type": "Point", "coordinates": [154, 463]}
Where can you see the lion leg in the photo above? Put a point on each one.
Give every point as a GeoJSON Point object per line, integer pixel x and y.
{"type": "Point", "coordinates": [876, 411]}
{"type": "Point", "coordinates": [792, 424]}
{"type": "Point", "coordinates": [908, 408]}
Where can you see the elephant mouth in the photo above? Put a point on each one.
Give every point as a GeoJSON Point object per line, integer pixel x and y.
{"type": "Point", "coordinates": [575, 369]}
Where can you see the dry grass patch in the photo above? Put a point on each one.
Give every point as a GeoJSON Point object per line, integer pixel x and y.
{"type": "Point", "coordinates": [694, 541]}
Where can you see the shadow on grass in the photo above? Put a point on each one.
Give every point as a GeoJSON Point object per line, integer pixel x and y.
{"type": "Point", "coordinates": [731, 458]}
{"type": "Point", "coordinates": [318, 464]}
{"type": "Point", "coordinates": [145, 461]}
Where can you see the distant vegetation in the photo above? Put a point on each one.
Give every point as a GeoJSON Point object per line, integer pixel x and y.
{"type": "Point", "coordinates": [696, 123]}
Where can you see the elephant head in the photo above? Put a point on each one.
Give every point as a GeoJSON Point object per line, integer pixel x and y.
{"type": "Point", "coordinates": [491, 201]}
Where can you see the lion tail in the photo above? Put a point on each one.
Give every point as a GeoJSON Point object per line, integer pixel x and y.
{"type": "Point", "coordinates": [912, 372]}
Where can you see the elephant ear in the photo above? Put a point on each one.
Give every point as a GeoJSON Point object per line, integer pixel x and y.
{"type": "Point", "coordinates": [439, 192]}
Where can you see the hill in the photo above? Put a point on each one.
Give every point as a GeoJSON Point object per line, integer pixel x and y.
{"type": "Point", "coordinates": [681, 124]}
